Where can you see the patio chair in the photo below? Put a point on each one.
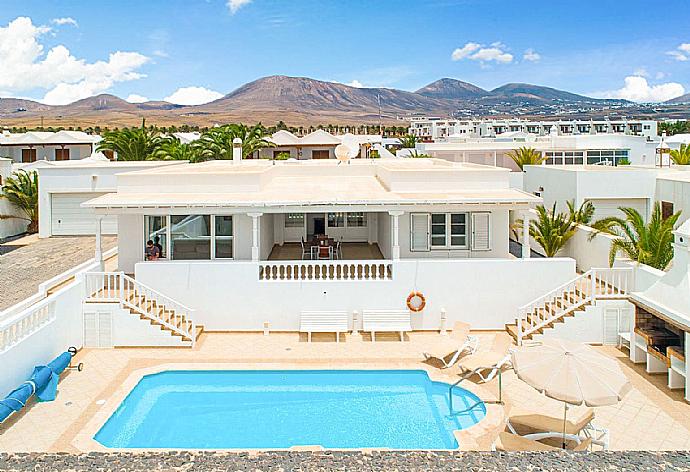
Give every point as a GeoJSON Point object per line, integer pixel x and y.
{"type": "Point", "coordinates": [509, 442]}
{"type": "Point", "coordinates": [305, 251]}
{"type": "Point", "coordinates": [578, 428]}
{"type": "Point", "coordinates": [486, 364]}
{"type": "Point", "coordinates": [463, 343]}
{"type": "Point", "coordinates": [338, 250]}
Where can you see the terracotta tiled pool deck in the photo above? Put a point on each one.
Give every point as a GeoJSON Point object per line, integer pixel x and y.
{"type": "Point", "coordinates": [651, 417]}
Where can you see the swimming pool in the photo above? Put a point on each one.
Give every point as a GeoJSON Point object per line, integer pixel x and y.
{"type": "Point", "coordinates": [336, 409]}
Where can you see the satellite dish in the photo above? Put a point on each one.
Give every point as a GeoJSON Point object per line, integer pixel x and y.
{"type": "Point", "coordinates": [343, 152]}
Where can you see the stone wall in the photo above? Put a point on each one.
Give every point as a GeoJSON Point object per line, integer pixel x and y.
{"type": "Point", "coordinates": [321, 461]}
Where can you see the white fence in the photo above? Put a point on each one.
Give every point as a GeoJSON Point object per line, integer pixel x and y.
{"type": "Point", "coordinates": [326, 270]}
{"type": "Point", "coordinates": [483, 292]}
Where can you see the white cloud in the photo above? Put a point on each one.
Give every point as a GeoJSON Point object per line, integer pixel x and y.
{"type": "Point", "coordinates": [637, 89]}
{"type": "Point", "coordinates": [193, 96]}
{"type": "Point", "coordinates": [531, 55]}
{"type": "Point", "coordinates": [134, 98]}
{"type": "Point", "coordinates": [355, 83]}
{"type": "Point", "coordinates": [65, 21]}
{"type": "Point", "coordinates": [478, 52]}
{"type": "Point", "coordinates": [681, 53]}
{"type": "Point", "coordinates": [26, 66]}
{"type": "Point", "coordinates": [235, 5]}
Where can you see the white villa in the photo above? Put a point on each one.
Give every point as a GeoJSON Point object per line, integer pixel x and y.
{"type": "Point", "coordinates": [436, 128]}
{"type": "Point", "coordinates": [49, 146]}
{"type": "Point", "coordinates": [318, 145]}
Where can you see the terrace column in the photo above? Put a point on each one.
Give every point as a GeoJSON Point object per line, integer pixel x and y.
{"type": "Point", "coordinates": [255, 235]}
{"type": "Point", "coordinates": [395, 229]}
{"type": "Point", "coordinates": [526, 250]}
{"type": "Point", "coordinates": [99, 243]}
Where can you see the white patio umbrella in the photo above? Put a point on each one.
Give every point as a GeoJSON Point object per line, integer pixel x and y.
{"type": "Point", "coordinates": [571, 372]}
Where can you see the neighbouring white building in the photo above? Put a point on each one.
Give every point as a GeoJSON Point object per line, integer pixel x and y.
{"type": "Point", "coordinates": [64, 186]}
{"type": "Point", "coordinates": [49, 146]}
{"type": "Point", "coordinates": [317, 145]}
{"type": "Point", "coordinates": [438, 129]}
{"type": "Point", "coordinates": [599, 149]}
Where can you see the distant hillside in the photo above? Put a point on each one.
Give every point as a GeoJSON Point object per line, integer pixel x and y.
{"type": "Point", "coordinates": [304, 101]}
{"type": "Point", "coordinates": [531, 92]}
{"type": "Point", "coordinates": [682, 99]}
{"type": "Point", "coordinates": [452, 89]}
{"type": "Point", "coordinates": [304, 94]}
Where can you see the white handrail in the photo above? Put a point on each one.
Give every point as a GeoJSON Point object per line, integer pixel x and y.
{"type": "Point", "coordinates": [597, 283]}
{"type": "Point", "coordinates": [116, 286]}
{"type": "Point", "coordinates": [326, 270]}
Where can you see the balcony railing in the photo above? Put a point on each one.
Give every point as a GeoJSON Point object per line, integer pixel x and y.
{"type": "Point", "coordinates": [326, 270]}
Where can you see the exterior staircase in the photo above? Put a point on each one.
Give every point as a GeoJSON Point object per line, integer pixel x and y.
{"type": "Point", "coordinates": [144, 302]}
{"type": "Point", "coordinates": [568, 300]}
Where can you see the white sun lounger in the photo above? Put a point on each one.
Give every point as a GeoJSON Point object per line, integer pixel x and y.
{"type": "Point", "coordinates": [460, 340]}
{"type": "Point", "coordinates": [386, 321]}
{"type": "Point", "coordinates": [486, 364]}
{"type": "Point", "coordinates": [508, 442]}
{"type": "Point", "coordinates": [323, 322]}
{"type": "Point", "coordinates": [577, 428]}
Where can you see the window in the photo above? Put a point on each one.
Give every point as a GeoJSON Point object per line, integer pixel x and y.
{"type": "Point", "coordinates": [611, 157]}
{"type": "Point", "coordinates": [29, 155]}
{"type": "Point", "coordinates": [336, 220]}
{"type": "Point", "coordinates": [190, 237]}
{"type": "Point", "coordinates": [458, 229]}
{"type": "Point", "coordinates": [666, 209]}
{"type": "Point", "coordinates": [156, 230]}
{"type": "Point", "coordinates": [320, 154]}
{"type": "Point", "coordinates": [438, 230]}
{"type": "Point", "coordinates": [294, 220]}
{"type": "Point", "coordinates": [564, 157]}
{"type": "Point", "coordinates": [356, 220]}
{"type": "Point", "coordinates": [62, 154]}
{"type": "Point", "coordinates": [449, 230]}
{"type": "Point", "coordinates": [223, 237]}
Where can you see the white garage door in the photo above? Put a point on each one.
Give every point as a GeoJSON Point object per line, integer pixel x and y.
{"type": "Point", "coordinates": [605, 207]}
{"type": "Point", "coordinates": [68, 218]}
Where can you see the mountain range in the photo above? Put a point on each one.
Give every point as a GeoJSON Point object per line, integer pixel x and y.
{"type": "Point", "coordinates": [303, 101]}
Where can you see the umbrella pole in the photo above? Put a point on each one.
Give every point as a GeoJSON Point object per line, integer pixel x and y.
{"type": "Point", "coordinates": [565, 416]}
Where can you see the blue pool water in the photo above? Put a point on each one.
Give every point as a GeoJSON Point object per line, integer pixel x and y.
{"type": "Point", "coordinates": [398, 409]}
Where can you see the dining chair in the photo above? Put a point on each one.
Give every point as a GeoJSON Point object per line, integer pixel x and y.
{"type": "Point", "coordinates": [305, 252]}
{"type": "Point", "coordinates": [325, 252]}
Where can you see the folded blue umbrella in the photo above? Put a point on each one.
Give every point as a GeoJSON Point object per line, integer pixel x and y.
{"type": "Point", "coordinates": [16, 400]}
{"type": "Point", "coordinates": [46, 392]}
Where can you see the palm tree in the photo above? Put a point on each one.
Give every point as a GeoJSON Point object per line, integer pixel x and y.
{"type": "Point", "coordinates": [408, 141]}
{"type": "Point", "coordinates": [216, 143]}
{"type": "Point", "coordinates": [21, 189]}
{"type": "Point", "coordinates": [173, 149]}
{"type": "Point", "coordinates": [582, 215]}
{"type": "Point", "coordinates": [650, 244]}
{"type": "Point", "coordinates": [551, 230]}
{"type": "Point", "coordinates": [681, 156]}
{"type": "Point", "coordinates": [132, 144]}
{"type": "Point", "coordinates": [526, 156]}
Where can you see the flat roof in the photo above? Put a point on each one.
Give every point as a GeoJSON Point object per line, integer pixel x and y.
{"type": "Point", "coordinates": [260, 183]}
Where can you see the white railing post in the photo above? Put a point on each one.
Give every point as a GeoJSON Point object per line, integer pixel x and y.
{"type": "Point", "coordinates": [519, 330]}
{"type": "Point", "coordinates": [593, 281]}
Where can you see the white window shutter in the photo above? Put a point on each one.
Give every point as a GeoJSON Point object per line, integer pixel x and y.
{"type": "Point", "coordinates": [419, 232]}
{"type": "Point", "coordinates": [90, 330]}
{"type": "Point", "coordinates": [481, 231]}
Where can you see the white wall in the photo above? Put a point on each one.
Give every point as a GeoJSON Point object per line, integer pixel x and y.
{"type": "Point", "coordinates": [130, 238]}
{"type": "Point", "coordinates": [46, 152]}
{"type": "Point", "coordinates": [48, 342]}
{"type": "Point", "coordinates": [677, 192]}
{"type": "Point", "coordinates": [230, 296]}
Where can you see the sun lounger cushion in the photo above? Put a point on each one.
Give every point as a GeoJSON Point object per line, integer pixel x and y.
{"type": "Point", "coordinates": [512, 443]}
{"type": "Point", "coordinates": [540, 422]}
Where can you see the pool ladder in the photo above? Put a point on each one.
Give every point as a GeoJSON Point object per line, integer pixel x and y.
{"type": "Point", "coordinates": [465, 377]}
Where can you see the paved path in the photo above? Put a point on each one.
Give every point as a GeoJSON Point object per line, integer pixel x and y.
{"type": "Point", "coordinates": [27, 262]}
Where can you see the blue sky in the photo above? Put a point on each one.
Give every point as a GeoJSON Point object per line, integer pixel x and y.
{"type": "Point", "coordinates": [61, 50]}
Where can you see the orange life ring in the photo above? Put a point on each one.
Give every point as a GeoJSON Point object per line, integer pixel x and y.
{"type": "Point", "coordinates": [417, 307]}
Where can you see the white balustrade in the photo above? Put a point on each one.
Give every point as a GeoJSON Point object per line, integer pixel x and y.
{"type": "Point", "coordinates": [18, 327]}
{"type": "Point", "coordinates": [586, 288]}
{"type": "Point", "coordinates": [120, 288]}
{"type": "Point", "coordinates": [325, 270]}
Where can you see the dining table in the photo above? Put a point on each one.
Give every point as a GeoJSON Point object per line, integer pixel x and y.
{"type": "Point", "coordinates": [323, 247]}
